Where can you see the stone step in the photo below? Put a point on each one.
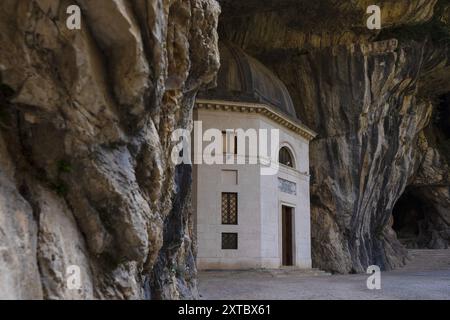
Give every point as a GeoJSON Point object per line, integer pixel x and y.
{"type": "Point", "coordinates": [430, 250]}
{"type": "Point", "coordinates": [286, 272]}
{"type": "Point", "coordinates": [429, 254]}
{"type": "Point", "coordinates": [420, 259]}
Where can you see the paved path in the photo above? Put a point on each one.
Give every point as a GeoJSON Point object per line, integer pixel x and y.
{"type": "Point", "coordinates": [426, 276]}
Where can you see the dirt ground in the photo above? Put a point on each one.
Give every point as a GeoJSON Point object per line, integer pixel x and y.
{"type": "Point", "coordinates": [426, 276]}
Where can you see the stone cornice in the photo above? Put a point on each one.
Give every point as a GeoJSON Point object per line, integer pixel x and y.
{"type": "Point", "coordinates": [258, 108]}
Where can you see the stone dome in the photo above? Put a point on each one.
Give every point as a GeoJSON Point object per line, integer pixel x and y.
{"type": "Point", "coordinates": [242, 78]}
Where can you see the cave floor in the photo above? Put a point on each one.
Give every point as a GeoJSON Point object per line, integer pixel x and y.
{"type": "Point", "coordinates": [426, 276]}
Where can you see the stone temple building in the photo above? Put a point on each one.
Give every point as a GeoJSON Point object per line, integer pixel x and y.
{"type": "Point", "coordinates": [245, 219]}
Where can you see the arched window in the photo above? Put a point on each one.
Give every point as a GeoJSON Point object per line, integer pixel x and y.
{"type": "Point", "coordinates": [285, 157]}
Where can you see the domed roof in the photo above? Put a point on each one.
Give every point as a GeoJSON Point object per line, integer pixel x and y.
{"type": "Point", "coordinates": [242, 78]}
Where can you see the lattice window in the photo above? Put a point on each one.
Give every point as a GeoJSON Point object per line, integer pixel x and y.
{"type": "Point", "coordinates": [229, 208]}
{"type": "Point", "coordinates": [229, 241]}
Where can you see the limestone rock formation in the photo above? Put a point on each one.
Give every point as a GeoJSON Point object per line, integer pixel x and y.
{"type": "Point", "coordinates": [85, 123]}
{"type": "Point", "coordinates": [86, 116]}
{"type": "Point", "coordinates": [372, 97]}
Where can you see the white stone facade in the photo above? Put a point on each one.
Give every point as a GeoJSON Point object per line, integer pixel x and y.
{"type": "Point", "coordinates": [260, 199]}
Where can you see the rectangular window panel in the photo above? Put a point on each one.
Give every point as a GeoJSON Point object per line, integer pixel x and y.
{"type": "Point", "coordinates": [229, 208]}
{"type": "Point", "coordinates": [229, 241]}
{"type": "Point", "coordinates": [224, 142]}
{"type": "Point", "coordinates": [230, 177]}
{"type": "Point", "coordinates": [229, 142]}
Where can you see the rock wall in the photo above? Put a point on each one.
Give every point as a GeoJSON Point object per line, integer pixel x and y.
{"type": "Point", "coordinates": [371, 96]}
{"type": "Point", "coordinates": [86, 116]}
{"type": "Point", "coordinates": [85, 123]}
